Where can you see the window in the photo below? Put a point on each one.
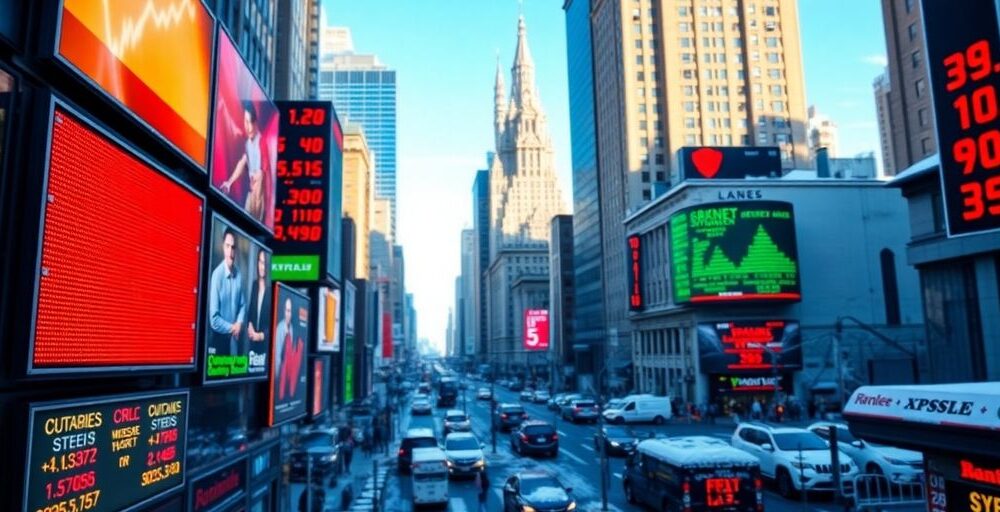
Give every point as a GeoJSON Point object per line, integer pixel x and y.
{"type": "Point", "coordinates": [770, 11]}
{"type": "Point", "coordinates": [684, 27]}
{"type": "Point", "coordinates": [689, 106]}
{"type": "Point", "coordinates": [780, 122]}
{"type": "Point", "coordinates": [642, 125]}
{"type": "Point", "coordinates": [727, 123]}
{"type": "Point", "coordinates": [687, 58]}
{"type": "Point", "coordinates": [690, 140]}
{"type": "Point", "coordinates": [685, 42]}
{"type": "Point", "coordinates": [638, 43]}
{"type": "Point", "coordinates": [920, 87]}
{"type": "Point", "coordinates": [706, 41]}
{"type": "Point", "coordinates": [659, 160]}
{"type": "Point", "coordinates": [740, 74]}
{"type": "Point", "coordinates": [640, 76]}
{"type": "Point", "coordinates": [774, 73]}
{"type": "Point", "coordinates": [638, 60]}
{"type": "Point", "coordinates": [645, 197]}
{"type": "Point", "coordinates": [915, 58]}
{"type": "Point", "coordinates": [642, 108]}
{"type": "Point", "coordinates": [912, 31]}
{"type": "Point", "coordinates": [890, 288]}
{"type": "Point", "coordinates": [771, 42]}
{"type": "Point", "coordinates": [925, 145]}
{"type": "Point", "coordinates": [645, 176]}
{"type": "Point", "coordinates": [773, 57]}
{"type": "Point", "coordinates": [704, 27]}
{"type": "Point", "coordinates": [781, 138]}
{"type": "Point", "coordinates": [909, 5]}
{"type": "Point", "coordinates": [637, 28]}
{"type": "Point", "coordinates": [738, 58]}
{"type": "Point", "coordinates": [757, 88]}
{"type": "Point", "coordinates": [738, 42]}
{"type": "Point", "coordinates": [707, 58]}
{"type": "Point", "coordinates": [922, 116]}
{"type": "Point", "coordinates": [778, 106]}
{"type": "Point", "coordinates": [762, 138]}
{"type": "Point", "coordinates": [723, 91]}
{"type": "Point", "coordinates": [682, 11]}
{"type": "Point", "coordinates": [640, 92]}
{"type": "Point", "coordinates": [720, 58]}
{"type": "Point", "coordinates": [688, 73]}
{"type": "Point", "coordinates": [720, 42]}
{"type": "Point", "coordinates": [689, 90]}
{"type": "Point", "coordinates": [754, 56]}
{"type": "Point", "coordinates": [777, 90]}
{"type": "Point", "coordinates": [659, 142]}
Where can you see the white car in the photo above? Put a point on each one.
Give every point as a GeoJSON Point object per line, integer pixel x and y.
{"type": "Point", "coordinates": [797, 459]}
{"type": "Point", "coordinates": [464, 453]}
{"type": "Point", "coordinates": [456, 421]}
{"type": "Point", "coordinates": [896, 464]}
{"type": "Point", "coordinates": [540, 397]}
{"type": "Point", "coordinates": [484, 394]}
{"type": "Point", "coordinates": [420, 406]}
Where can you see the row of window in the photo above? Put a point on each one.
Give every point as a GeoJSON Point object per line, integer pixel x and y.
{"type": "Point", "coordinates": [723, 74]}
{"type": "Point", "coordinates": [718, 26]}
{"type": "Point", "coordinates": [720, 42]}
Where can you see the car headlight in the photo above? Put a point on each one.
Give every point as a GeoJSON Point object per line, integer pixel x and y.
{"type": "Point", "coordinates": [450, 463]}
{"type": "Point", "coordinates": [801, 465]}
{"type": "Point", "coordinates": [527, 509]}
{"type": "Point", "coordinates": [896, 462]}
{"type": "Point", "coordinates": [572, 506]}
{"type": "Point", "coordinates": [615, 444]}
{"type": "Point", "coordinates": [479, 463]}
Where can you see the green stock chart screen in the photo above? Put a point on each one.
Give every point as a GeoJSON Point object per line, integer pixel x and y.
{"type": "Point", "coordinates": [736, 251]}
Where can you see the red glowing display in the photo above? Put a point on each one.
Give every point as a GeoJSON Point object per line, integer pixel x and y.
{"type": "Point", "coordinates": [118, 274]}
{"type": "Point", "coordinates": [536, 329]}
{"type": "Point", "coordinates": [722, 492]}
{"type": "Point", "coordinates": [635, 273]}
{"type": "Point", "coordinates": [749, 346]}
{"type": "Point", "coordinates": [303, 174]}
{"type": "Point", "coordinates": [962, 51]}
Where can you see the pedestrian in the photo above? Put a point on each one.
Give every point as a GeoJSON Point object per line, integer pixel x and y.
{"type": "Point", "coordinates": [379, 437]}
{"type": "Point", "coordinates": [483, 484]}
{"type": "Point", "coordinates": [348, 454]}
{"type": "Point", "coordinates": [366, 442]}
{"type": "Point", "coordinates": [756, 411]}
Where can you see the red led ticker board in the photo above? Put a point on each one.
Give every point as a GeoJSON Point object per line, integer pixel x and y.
{"type": "Point", "coordinates": [722, 492]}
{"type": "Point", "coordinates": [119, 266]}
{"type": "Point", "coordinates": [303, 159]}
{"type": "Point", "coordinates": [635, 302]}
{"type": "Point", "coordinates": [963, 55]}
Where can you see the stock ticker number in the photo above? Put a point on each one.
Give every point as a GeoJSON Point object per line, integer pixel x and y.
{"type": "Point", "coordinates": [306, 116]}
{"type": "Point", "coordinates": [80, 503]}
{"type": "Point", "coordinates": [974, 109]}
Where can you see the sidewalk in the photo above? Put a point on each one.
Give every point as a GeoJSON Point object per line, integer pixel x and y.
{"type": "Point", "coordinates": [364, 483]}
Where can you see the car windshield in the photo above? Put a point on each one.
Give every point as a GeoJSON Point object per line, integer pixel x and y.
{"type": "Point", "coordinates": [618, 432]}
{"type": "Point", "coordinates": [799, 441]}
{"type": "Point", "coordinates": [317, 439]}
{"type": "Point", "coordinates": [513, 410]}
{"type": "Point", "coordinates": [422, 442]}
{"type": "Point", "coordinates": [584, 404]}
{"type": "Point", "coordinates": [539, 430]}
{"type": "Point", "coordinates": [542, 489]}
{"type": "Point", "coordinates": [456, 417]}
{"type": "Point", "coordinates": [463, 443]}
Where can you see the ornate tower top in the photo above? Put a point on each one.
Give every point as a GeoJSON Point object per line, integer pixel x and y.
{"type": "Point", "coordinates": [523, 71]}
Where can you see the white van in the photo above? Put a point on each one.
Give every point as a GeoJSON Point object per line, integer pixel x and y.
{"type": "Point", "coordinates": [640, 408]}
{"type": "Point", "coordinates": [429, 473]}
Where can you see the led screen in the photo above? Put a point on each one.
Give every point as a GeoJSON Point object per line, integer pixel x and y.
{"type": "Point", "coordinates": [749, 346]}
{"type": "Point", "coordinates": [244, 137]}
{"type": "Point", "coordinates": [154, 57]}
{"type": "Point", "coordinates": [350, 308]}
{"type": "Point", "coordinates": [223, 489]}
{"type": "Point", "coordinates": [738, 251]}
{"type": "Point", "coordinates": [328, 320]}
{"type": "Point", "coordinates": [238, 313]}
{"type": "Point", "coordinates": [536, 329]}
{"type": "Point", "coordinates": [288, 369]}
{"type": "Point", "coordinates": [319, 385]}
{"type": "Point", "coordinates": [635, 301]}
{"type": "Point", "coordinates": [729, 163]}
{"type": "Point", "coordinates": [118, 274]}
{"type": "Point", "coordinates": [105, 455]}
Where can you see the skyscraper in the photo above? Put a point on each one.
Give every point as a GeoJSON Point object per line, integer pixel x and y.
{"type": "Point", "coordinates": [466, 310]}
{"type": "Point", "coordinates": [297, 50]}
{"type": "Point", "coordinates": [882, 89]}
{"type": "Point", "coordinates": [252, 25]}
{"type": "Point", "coordinates": [911, 115]}
{"type": "Point", "coordinates": [524, 196]}
{"type": "Point", "coordinates": [481, 227]}
{"type": "Point", "coordinates": [364, 91]}
{"type": "Point", "coordinates": [358, 194]}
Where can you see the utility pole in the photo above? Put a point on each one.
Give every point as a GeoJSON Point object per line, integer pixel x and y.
{"type": "Point", "coordinates": [838, 363]}
{"type": "Point", "coordinates": [493, 407]}
{"type": "Point", "coordinates": [603, 447]}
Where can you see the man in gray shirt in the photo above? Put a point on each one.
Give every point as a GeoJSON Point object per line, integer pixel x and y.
{"type": "Point", "coordinates": [226, 300]}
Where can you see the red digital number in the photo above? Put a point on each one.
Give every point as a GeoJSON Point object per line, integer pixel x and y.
{"type": "Point", "coordinates": [304, 197]}
{"type": "Point", "coordinates": [974, 63]}
{"type": "Point", "coordinates": [311, 145]}
{"type": "Point", "coordinates": [281, 144]}
{"type": "Point", "coordinates": [979, 198]}
{"type": "Point", "coordinates": [983, 108]}
{"type": "Point", "coordinates": [983, 151]}
{"type": "Point", "coordinates": [300, 168]}
{"type": "Point", "coordinates": [307, 116]}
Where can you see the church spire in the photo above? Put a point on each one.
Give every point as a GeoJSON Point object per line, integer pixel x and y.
{"type": "Point", "coordinates": [523, 71]}
{"type": "Point", "coordinates": [499, 100]}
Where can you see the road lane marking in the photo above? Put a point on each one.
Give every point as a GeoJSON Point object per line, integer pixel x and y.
{"type": "Point", "coordinates": [618, 475]}
{"type": "Point", "coordinates": [561, 433]}
{"type": "Point", "coordinates": [574, 457]}
{"type": "Point", "coordinates": [587, 447]}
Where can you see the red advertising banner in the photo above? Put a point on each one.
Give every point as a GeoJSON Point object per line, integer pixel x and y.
{"type": "Point", "coordinates": [386, 335]}
{"type": "Point", "coordinates": [536, 329]}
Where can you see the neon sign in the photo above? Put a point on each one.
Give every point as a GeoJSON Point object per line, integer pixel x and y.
{"type": "Point", "coordinates": [635, 302]}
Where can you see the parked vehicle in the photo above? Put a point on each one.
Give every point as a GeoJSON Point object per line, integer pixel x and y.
{"type": "Point", "coordinates": [484, 394]}
{"type": "Point", "coordinates": [536, 490]}
{"type": "Point", "coordinates": [565, 402]}
{"type": "Point", "coordinates": [692, 473]}
{"type": "Point", "coordinates": [640, 408]}
{"type": "Point", "coordinates": [540, 397]}
{"type": "Point", "coordinates": [317, 454]}
{"type": "Point", "coordinates": [797, 459]}
{"type": "Point", "coordinates": [896, 464]}
{"type": "Point", "coordinates": [553, 403]}
{"type": "Point", "coordinates": [424, 387]}
{"type": "Point", "coordinates": [414, 438]}
{"type": "Point", "coordinates": [509, 416]}
{"type": "Point", "coordinates": [429, 473]}
{"type": "Point", "coordinates": [581, 410]}
{"type": "Point", "coordinates": [465, 454]}
{"type": "Point", "coordinates": [456, 421]}
{"type": "Point", "coordinates": [535, 437]}
{"type": "Point", "coordinates": [617, 440]}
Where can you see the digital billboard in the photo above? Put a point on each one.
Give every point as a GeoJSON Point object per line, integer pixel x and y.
{"type": "Point", "coordinates": [244, 137]}
{"type": "Point", "coordinates": [734, 251]}
{"type": "Point", "coordinates": [238, 313]}
{"type": "Point", "coordinates": [729, 163]}
{"type": "Point", "coordinates": [635, 300]}
{"type": "Point", "coordinates": [536, 329]}
{"type": "Point", "coordinates": [319, 385]}
{"type": "Point", "coordinates": [220, 490]}
{"type": "Point", "coordinates": [350, 308]}
{"type": "Point", "coordinates": [963, 59]}
{"type": "Point", "coordinates": [118, 273]}
{"type": "Point", "coordinates": [749, 346]}
{"type": "Point", "coordinates": [288, 366]}
{"type": "Point", "coordinates": [328, 320]}
{"type": "Point", "coordinates": [153, 57]}
{"type": "Point", "coordinates": [307, 216]}
{"type": "Point", "coordinates": [105, 455]}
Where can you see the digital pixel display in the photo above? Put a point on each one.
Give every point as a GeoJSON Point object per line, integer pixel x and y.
{"type": "Point", "coordinates": [134, 51]}
{"type": "Point", "coordinates": [963, 56]}
{"type": "Point", "coordinates": [319, 395]}
{"type": "Point", "coordinates": [289, 364]}
{"type": "Point", "coordinates": [105, 455]}
{"type": "Point", "coordinates": [536, 329]}
{"type": "Point", "coordinates": [328, 320]}
{"type": "Point", "coordinates": [308, 202]}
{"type": "Point", "coordinates": [749, 346]}
{"type": "Point", "coordinates": [729, 163]}
{"type": "Point", "coordinates": [734, 251]}
{"type": "Point", "coordinates": [118, 274]}
{"type": "Point", "coordinates": [635, 302]}
{"type": "Point", "coordinates": [350, 309]}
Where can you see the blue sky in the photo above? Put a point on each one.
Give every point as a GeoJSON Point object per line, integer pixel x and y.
{"type": "Point", "coordinates": [445, 54]}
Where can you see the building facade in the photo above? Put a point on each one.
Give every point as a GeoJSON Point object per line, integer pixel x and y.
{"type": "Point", "coordinates": [822, 133]}
{"type": "Point", "coordinates": [364, 90]}
{"type": "Point", "coordinates": [468, 291]}
{"type": "Point", "coordinates": [524, 196]}
{"type": "Point", "coordinates": [911, 115]}
{"type": "Point", "coordinates": [358, 194]}
{"type": "Point", "coordinates": [856, 299]}
{"type": "Point", "coordinates": [252, 24]}
{"type": "Point", "coordinates": [562, 302]}
{"type": "Point", "coordinates": [588, 320]}
{"type": "Point", "coordinates": [481, 262]}
{"type": "Point", "coordinates": [881, 86]}
{"type": "Point", "coordinates": [296, 63]}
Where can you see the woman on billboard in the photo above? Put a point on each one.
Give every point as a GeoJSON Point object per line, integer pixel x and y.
{"type": "Point", "coordinates": [252, 162]}
{"type": "Point", "coordinates": [260, 302]}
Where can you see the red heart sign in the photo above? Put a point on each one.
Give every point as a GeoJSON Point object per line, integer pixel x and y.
{"type": "Point", "coordinates": [707, 161]}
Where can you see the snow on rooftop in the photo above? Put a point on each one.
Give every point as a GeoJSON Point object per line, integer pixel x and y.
{"type": "Point", "coordinates": [696, 451]}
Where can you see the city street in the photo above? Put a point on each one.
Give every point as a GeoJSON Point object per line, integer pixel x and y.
{"type": "Point", "coordinates": [577, 464]}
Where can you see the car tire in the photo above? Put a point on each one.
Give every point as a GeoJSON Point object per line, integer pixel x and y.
{"type": "Point", "coordinates": [629, 495]}
{"type": "Point", "coordinates": [658, 420]}
{"type": "Point", "coordinates": [618, 421]}
{"type": "Point", "coordinates": [786, 488]}
{"type": "Point", "coordinates": [873, 469]}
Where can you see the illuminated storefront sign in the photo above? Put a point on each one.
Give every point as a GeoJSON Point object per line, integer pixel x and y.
{"type": "Point", "coordinates": [108, 454]}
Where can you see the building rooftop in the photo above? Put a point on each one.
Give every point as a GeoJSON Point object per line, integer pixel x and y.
{"type": "Point", "coordinates": [921, 168]}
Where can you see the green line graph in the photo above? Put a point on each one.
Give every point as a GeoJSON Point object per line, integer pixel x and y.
{"type": "Point", "coordinates": [763, 255]}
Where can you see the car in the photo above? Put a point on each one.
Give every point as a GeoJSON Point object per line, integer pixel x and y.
{"type": "Point", "coordinates": [420, 407]}
{"type": "Point", "coordinates": [540, 397]}
{"type": "Point", "coordinates": [456, 421]}
{"type": "Point", "coordinates": [640, 408]}
{"type": "Point", "coordinates": [692, 473]}
{"type": "Point", "coordinates": [616, 439]}
{"type": "Point", "coordinates": [509, 416]}
{"type": "Point", "coordinates": [526, 395]}
{"type": "Point", "coordinates": [796, 459]}
{"type": "Point", "coordinates": [581, 410]}
{"type": "Point", "coordinates": [424, 387]}
{"type": "Point", "coordinates": [464, 453]}
{"type": "Point", "coordinates": [515, 385]}
{"type": "Point", "coordinates": [316, 454]}
{"type": "Point", "coordinates": [414, 438]}
{"type": "Point", "coordinates": [567, 401]}
{"type": "Point", "coordinates": [535, 437]}
{"type": "Point", "coordinates": [536, 490]}
{"type": "Point", "coordinates": [553, 403]}
{"type": "Point", "coordinates": [484, 394]}
{"type": "Point", "coordinates": [896, 464]}
{"type": "Point", "coordinates": [429, 480]}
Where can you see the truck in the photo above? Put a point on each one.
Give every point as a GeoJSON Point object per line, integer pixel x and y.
{"type": "Point", "coordinates": [447, 392]}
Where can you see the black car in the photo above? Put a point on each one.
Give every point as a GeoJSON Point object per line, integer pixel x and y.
{"type": "Point", "coordinates": [315, 455]}
{"type": "Point", "coordinates": [415, 438]}
{"type": "Point", "coordinates": [536, 490]}
{"type": "Point", "coordinates": [509, 416]}
{"type": "Point", "coordinates": [516, 386]}
{"type": "Point", "coordinates": [617, 440]}
{"type": "Point", "coordinates": [535, 437]}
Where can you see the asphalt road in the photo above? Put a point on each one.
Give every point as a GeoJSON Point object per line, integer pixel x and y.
{"type": "Point", "coordinates": [577, 465]}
